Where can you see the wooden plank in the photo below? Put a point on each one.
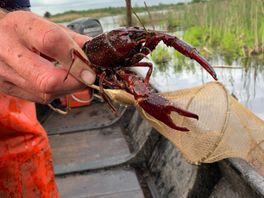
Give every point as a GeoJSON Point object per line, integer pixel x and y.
{"type": "Point", "coordinates": [83, 118]}
{"type": "Point", "coordinates": [85, 150]}
{"type": "Point", "coordinates": [116, 183]}
{"type": "Point", "coordinates": [129, 194]}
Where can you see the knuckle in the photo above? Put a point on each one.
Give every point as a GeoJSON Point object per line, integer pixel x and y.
{"type": "Point", "coordinates": [52, 37]}
{"type": "Point", "coordinates": [16, 13]}
{"type": "Point", "coordinates": [45, 83]}
{"type": "Point", "coordinates": [7, 87]}
{"type": "Point", "coordinates": [12, 18]}
{"type": "Point", "coordinates": [2, 85]}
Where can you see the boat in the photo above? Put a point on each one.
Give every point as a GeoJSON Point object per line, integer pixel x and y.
{"type": "Point", "coordinates": [99, 154]}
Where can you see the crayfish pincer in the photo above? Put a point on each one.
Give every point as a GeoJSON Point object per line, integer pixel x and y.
{"type": "Point", "coordinates": [112, 53]}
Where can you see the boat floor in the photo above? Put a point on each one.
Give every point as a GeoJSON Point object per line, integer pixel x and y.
{"type": "Point", "coordinates": [118, 183]}
{"type": "Point", "coordinates": [82, 143]}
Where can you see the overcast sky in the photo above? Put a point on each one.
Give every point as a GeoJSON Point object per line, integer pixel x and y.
{"type": "Point", "coordinates": [57, 6]}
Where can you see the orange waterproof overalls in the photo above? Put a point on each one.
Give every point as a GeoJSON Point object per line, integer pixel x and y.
{"type": "Point", "coordinates": [26, 168]}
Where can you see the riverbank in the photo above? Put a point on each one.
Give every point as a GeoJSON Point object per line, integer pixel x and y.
{"type": "Point", "coordinates": [232, 28]}
{"type": "Point", "coordinates": [110, 11]}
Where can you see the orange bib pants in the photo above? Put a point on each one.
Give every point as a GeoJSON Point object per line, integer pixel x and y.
{"type": "Point", "coordinates": [26, 168]}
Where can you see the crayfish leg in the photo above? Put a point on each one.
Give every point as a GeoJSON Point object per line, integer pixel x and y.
{"type": "Point", "coordinates": [74, 54]}
{"type": "Point", "coordinates": [149, 72]}
{"type": "Point", "coordinates": [108, 101]}
{"type": "Point", "coordinates": [103, 94]}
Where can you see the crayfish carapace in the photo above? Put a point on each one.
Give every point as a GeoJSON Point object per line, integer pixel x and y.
{"type": "Point", "coordinates": [111, 54]}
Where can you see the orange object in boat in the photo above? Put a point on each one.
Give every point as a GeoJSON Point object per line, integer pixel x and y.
{"type": "Point", "coordinates": [78, 99]}
{"type": "Point", "coordinates": [26, 168]}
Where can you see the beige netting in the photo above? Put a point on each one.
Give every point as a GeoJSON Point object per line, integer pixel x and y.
{"type": "Point", "coordinates": [225, 127]}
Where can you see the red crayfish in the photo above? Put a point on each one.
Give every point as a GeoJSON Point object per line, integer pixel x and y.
{"type": "Point", "coordinates": [111, 54]}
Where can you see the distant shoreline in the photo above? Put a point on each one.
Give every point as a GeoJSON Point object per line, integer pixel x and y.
{"type": "Point", "coordinates": [102, 12]}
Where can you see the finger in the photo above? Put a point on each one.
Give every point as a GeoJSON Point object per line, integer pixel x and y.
{"type": "Point", "coordinates": [44, 36]}
{"type": "Point", "coordinates": [78, 38]}
{"type": "Point", "coordinates": [51, 40]}
{"type": "Point", "coordinates": [39, 97]}
{"type": "Point", "coordinates": [12, 90]}
{"type": "Point", "coordinates": [7, 73]}
{"type": "Point", "coordinates": [40, 75]}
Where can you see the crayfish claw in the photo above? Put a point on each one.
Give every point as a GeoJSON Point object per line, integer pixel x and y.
{"type": "Point", "coordinates": [172, 125]}
{"type": "Point", "coordinates": [182, 112]}
{"type": "Point", "coordinates": [189, 51]}
{"type": "Point", "coordinates": [204, 63]}
{"type": "Point", "coordinates": [160, 108]}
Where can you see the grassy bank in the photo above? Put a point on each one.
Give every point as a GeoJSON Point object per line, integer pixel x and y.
{"type": "Point", "coordinates": [110, 11]}
{"type": "Point", "coordinates": [233, 27]}
{"type": "Point", "coordinates": [72, 14]}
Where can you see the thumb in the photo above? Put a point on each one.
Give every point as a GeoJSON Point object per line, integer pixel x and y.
{"type": "Point", "coordinates": [81, 67]}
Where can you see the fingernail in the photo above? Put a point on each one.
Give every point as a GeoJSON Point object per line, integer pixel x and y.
{"type": "Point", "coordinates": [88, 77]}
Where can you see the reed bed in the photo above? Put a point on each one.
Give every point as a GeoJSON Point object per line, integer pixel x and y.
{"type": "Point", "coordinates": [234, 27]}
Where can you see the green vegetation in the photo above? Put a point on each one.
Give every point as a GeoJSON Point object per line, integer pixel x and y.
{"type": "Point", "coordinates": [163, 56]}
{"type": "Point", "coordinates": [233, 27]}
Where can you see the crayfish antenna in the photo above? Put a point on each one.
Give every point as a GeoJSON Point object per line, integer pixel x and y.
{"type": "Point", "coordinates": [60, 111]}
{"type": "Point", "coordinates": [150, 18]}
{"type": "Point", "coordinates": [139, 19]}
{"type": "Point", "coordinates": [74, 54]}
{"type": "Point", "coordinates": [72, 61]}
{"type": "Point", "coordinates": [68, 72]}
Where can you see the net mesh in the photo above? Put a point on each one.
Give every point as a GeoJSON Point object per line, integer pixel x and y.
{"type": "Point", "coordinates": [225, 127]}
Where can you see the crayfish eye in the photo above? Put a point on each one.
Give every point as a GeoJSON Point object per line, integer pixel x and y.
{"type": "Point", "coordinates": [137, 37]}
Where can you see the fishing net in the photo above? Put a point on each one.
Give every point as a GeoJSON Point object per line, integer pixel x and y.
{"type": "Point", "coordinates": [225, 127]}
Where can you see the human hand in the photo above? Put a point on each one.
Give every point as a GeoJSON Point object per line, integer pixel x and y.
{"type": "Point", "coordinates": [25, 39]}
